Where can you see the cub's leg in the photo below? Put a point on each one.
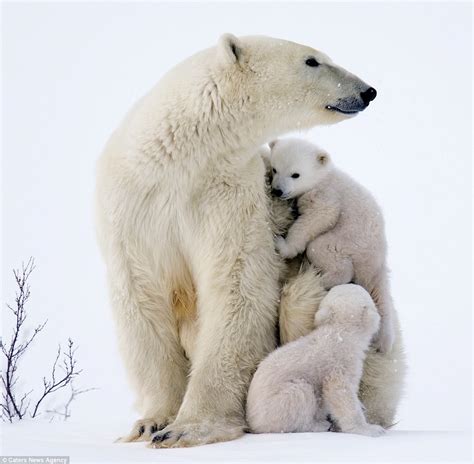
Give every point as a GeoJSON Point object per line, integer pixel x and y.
{"type": "Point", "coordinates": [336, 269]}
{"type": "Point", "coordinates": [379, 289]}
{"type": "Point", "coordinates": [345, 408]}
{"type": "Point", "coordinates": [148, 341]}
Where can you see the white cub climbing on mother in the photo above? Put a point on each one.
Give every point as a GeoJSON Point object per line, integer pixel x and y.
{"type": "Point", "coordinates": [340, 225]}
{"type": "Point", "coordinates": [183, 225]}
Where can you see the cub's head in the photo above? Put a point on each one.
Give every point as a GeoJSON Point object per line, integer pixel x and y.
{"type": "Point", "coordinates": [297, 166]}
{"type": "Point", "coordinates": [286, 85]}
{"type": "Point", "coordinates": [349, 306]}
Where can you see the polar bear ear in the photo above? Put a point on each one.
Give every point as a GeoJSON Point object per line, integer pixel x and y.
{"type": "Point", "coordinates": [265, 153]}
{"type": "Point", "coordinates": [229, 48]}
{"type": "Point", "coordinates": [323, 158]}
{"type": "Point", "coordinates": [272, 143]}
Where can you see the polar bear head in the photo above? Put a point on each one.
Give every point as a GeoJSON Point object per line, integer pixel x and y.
{"type": "Point", "coordinates": [350, 307]}
{"type": "Point", "coordinates": [283, 86]}
{"type": "Point", "coordinates": [297, 166]}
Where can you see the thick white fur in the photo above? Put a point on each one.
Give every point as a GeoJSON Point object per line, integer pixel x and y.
{"type": "Point", "coordinates": [184, 228]}
{"type": "Point", "coordinates": [340, 225]}
{"type": "Point", "coordinates": [297, 386]}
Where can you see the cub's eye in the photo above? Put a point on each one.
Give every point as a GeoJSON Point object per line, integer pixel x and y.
{"type": "Point", "coordinates": [295, 175]}
{"type": "Point", "coordinates": [312, 62]}
{"type": "Point", "coordinates": [274, 171]}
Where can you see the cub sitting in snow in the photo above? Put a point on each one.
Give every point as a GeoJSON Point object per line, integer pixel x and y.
{"type": "Point", "coordinates": [298, 385]}
{"type": "Point", "coordinates": [340, 225]}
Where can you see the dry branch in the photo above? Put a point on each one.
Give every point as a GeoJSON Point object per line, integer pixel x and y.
{"type": "Point", "coordinates": [14, 406]}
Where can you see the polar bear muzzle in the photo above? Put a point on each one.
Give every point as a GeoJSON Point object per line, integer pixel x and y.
{"type": "Point", "coordinates": [354, 105]}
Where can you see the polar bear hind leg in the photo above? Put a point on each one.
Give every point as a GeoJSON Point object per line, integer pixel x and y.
{"type": "Point", "coordinates": [300, 298]}
{"type": "Point", "coordinates": [381, 387]}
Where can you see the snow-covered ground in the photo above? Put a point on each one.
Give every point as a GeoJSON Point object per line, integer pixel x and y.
{"type": "Point", "coordinates": [95, 443]}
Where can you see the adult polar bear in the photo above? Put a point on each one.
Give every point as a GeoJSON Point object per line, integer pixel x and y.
{"type": "Point", "coordinates": [183, 225]}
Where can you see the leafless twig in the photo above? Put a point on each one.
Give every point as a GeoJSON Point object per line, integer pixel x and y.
{"type": "Point", "coordinates": [65, 413]}
{"type": "Point", "coordinates": [54, 384]}
{"type": "Point", "coordinates": [14, 405]}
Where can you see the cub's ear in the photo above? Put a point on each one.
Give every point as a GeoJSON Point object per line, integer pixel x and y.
{"type": "Point", "coordinates": [229, 48]}
{"type": "Point", "coordinates": [272, 143]}
{"type": "Point", "coordinates": [323, 158]}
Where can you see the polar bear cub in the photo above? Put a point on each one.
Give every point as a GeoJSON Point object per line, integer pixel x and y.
{"type": "Point", "coordinates": [299, 385]}
{"type": "Point", "coordinates": [340, 225]}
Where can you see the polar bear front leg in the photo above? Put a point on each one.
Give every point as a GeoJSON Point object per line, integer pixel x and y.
{"type": "Point", "coordinates": [237, 312]}
{"type": "Point", "coordinates": [148, 342]}
{"type": "Point", "coordinates": [157, 370]}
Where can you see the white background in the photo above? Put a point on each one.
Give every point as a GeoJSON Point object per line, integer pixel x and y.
{"type": "Point", "coordinates": [71, 71]}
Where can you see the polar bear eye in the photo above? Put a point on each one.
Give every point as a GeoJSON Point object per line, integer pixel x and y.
{"type": "Point", "coordinates": [295, 175]}
{"type": "Point", "coordinates": [274, 171]}
{"type": "Point", "coordinates": [312, 62]}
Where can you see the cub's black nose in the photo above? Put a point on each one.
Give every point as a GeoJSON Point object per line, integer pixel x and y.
{"type": "Point", "coordinates": [368, 95]}
{"type": "Point", "coordinates": [277, 192]}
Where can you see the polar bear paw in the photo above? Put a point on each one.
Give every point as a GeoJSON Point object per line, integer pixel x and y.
{"type": "Point", "coordinates": [369, 430]}
{"type": "Point", "coordinates": [194, 434]}
{"type": "Point", "coordinates": [285, 250]}
{"type": "Point", "coordinates": [143, 430]}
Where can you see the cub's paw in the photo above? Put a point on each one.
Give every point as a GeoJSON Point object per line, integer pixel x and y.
{"type": "Point", "coordinates": [369, 430]}
{"type": "Point", "coordinates": [195, 434]}
{"type": "Point", "coordinates": [322, 426]}
{"type": "Point", "coordinates": [283, 248]}
{"type": "Point", "coordinates": [143, 430]}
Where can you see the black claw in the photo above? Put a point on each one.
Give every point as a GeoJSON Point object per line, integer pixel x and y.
{"type": "Point", "coordinates": [153, 429]}
{"type": "Point", "coordinates": [166, 436]}
{"type": "Point", "coordinates": [163, 437]}
{"type": "Point", "coordinates": [141, 430]}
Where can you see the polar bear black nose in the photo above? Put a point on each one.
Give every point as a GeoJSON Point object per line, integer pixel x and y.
{"type": "Point", "coordinates": [368, 95]}
{"type": "Point", "coordinates": [277, 192]}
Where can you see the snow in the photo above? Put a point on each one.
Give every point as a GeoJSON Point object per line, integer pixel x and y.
{"type": "Point", "coordinates": [95, 443]}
